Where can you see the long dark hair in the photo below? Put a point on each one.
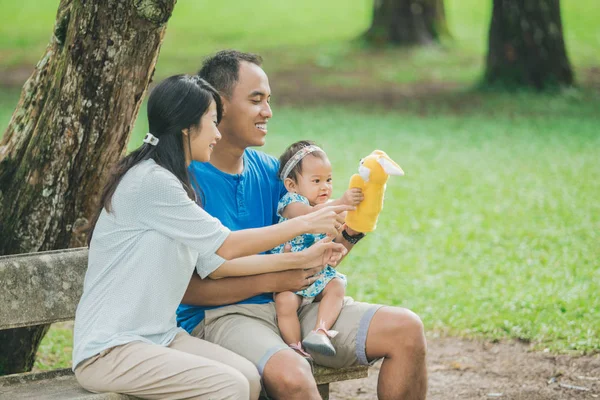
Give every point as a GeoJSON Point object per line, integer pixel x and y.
{"type": "Point", "coordinates": [175, 104]}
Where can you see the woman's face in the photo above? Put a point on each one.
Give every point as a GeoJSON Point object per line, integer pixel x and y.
{"type": "Point", "coordinates": [204, 136]}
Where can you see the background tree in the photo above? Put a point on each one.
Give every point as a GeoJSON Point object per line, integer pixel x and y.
{"type": "Point", "coordinates": [407, 22]}
{"type": "Point", "coordinates": [526, 45]}
{"type": "Point", "coordinates": [72, 122]}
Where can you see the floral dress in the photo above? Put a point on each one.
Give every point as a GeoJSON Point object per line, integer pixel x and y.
{"type": "Point", "coordinates": [302, 242]}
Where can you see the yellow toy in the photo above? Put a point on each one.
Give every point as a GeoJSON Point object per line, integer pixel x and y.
{"type": "Point", "coordinates": [373, 173]}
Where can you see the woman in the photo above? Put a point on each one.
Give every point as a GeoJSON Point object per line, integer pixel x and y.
{"type": "Point", "coordinates": [145, 242]}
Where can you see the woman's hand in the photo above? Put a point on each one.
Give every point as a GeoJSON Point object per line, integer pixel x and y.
{"type": "Point", "coordinates": [325, 220]}
{"type": "Point", "coordinates": [292, 280]}
{"type": "Point", "coordinates": [323, 252]}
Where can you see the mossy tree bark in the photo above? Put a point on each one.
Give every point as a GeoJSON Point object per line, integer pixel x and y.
{"type": "Point", "coordinates": [526, 45]}
{"type": "Point", "coordinates": [72, 122]}
{"type": "Point", "coordinates": [407, 22]}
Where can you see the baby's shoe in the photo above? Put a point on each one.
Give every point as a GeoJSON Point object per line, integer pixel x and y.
{"type": "Point", "coordinates": [320, 343]}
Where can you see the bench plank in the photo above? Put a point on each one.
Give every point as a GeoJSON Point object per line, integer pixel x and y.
{"type": "Point", "coordinates": [52, 385]}
{"type": "Point", "coordinates": [41, 288]}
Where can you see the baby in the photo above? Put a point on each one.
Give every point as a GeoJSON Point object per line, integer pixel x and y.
{"type": "Point", "coordinates": [306, 173]}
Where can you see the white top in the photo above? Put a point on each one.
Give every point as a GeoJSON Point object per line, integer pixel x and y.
{"type": "Point", "coordinates": [141, 258]}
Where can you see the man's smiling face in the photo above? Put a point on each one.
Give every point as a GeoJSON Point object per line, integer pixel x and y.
{"type": "Point", "coordinates": [247, 109]}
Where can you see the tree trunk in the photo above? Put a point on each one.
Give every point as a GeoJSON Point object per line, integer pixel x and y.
{"type": "Point", "coordinates": [526, 45]}
{"type": "Point", "coordinates": [407, 22]}
{"type": "Point", "coordinates": [72, 122]}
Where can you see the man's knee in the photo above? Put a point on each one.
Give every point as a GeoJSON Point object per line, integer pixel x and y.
{"type": "Point", "coordinates": [406, 328]}
{"type": "Point", "coordinates": [288, 373]}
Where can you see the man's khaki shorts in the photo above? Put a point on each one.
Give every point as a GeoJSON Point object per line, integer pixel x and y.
{"type": "Point", "coordinates": [251, 331]}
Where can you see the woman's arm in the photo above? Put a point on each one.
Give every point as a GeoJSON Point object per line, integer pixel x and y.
{"type": "Point", "coordinates": [321, 253]}
{"type": "Point", "coordinates": [258, 264]}
{"type": "Point", "coordinates": [252, 241]}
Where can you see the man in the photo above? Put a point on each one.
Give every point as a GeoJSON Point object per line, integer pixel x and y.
{"type": "Point", "coordinates": [241, 188]}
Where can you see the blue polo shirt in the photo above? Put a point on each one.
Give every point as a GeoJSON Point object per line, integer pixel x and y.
{"type": "Point", "coordinates": [243, 201]}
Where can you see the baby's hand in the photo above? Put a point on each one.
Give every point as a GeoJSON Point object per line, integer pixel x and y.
{"type": "Point", "coordinates": [352, 197]}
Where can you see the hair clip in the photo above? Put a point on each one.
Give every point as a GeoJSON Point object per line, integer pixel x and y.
{"type": "Point", "coordinates": [151, 139]}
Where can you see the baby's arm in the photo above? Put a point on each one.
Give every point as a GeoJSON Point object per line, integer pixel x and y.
{"type": "Point", "coordinates": [351, 197]}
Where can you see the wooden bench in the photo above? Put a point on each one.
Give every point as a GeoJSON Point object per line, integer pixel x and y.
{"type": "Point", "coordinates": [43, 288]}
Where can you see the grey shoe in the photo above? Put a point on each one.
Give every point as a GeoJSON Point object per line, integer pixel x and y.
{"type": "Point", "coordinates": [319, 344]}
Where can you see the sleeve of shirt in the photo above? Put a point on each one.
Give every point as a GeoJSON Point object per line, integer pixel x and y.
{"type": "Point", "coordinates": [165, 207]}
{"type": "Point", "coordinates": [288, 199]}
{"type": "Point", "coordinates": [208, 264]}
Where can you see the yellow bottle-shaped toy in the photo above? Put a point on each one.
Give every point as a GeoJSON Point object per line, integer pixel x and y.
{"type": "Point", "coordinates": [373, 173]}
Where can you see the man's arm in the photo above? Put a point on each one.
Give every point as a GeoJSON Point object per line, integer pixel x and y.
{"type": "Point", "coordinates": [219, 292]}
{"type": "Point", "coordinates": [340, 239]}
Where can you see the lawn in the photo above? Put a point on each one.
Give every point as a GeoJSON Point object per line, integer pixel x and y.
{"type": "Point", "coordinates": [494, 230]}
{"type": "Point", "coordinates": [323, 39]}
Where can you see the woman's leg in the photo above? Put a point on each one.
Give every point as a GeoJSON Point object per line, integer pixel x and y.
{"type": "Point", "coordinates": [156, 372]}
{"type": "Point", "coordinates": [203, 348]}
{"type": "Point", "coordinates": [286, 306]}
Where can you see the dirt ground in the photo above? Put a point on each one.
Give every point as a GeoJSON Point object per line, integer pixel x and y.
{"type": "Point", "coordinates": [469, 369]}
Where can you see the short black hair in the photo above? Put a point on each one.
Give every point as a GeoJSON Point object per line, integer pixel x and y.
{"type": "Point", "coordinates": [289, 153]}
{"type": "Point", "coordinates": [222, 69]}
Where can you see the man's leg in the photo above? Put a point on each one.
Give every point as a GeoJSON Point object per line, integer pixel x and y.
{"type": "Point", "coordinates": [368, 332]}
{"type": "Point", "coordinates": [397, 335]}
{"type": "Point", "coordinates": [288, 375]}
{"type": "Point", "coordinates": [251, 331]}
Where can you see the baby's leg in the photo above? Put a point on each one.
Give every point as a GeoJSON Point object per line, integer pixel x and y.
{"type": "Point", "coordinates": [330, 301]}
{"type": "Point", "coordinates": [286, 306]}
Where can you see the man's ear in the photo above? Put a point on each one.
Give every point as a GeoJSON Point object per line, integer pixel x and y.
{"type": "Point", "coordinates": [185, 131]}
{"type": "Point", "coordinates": [224, 104]}
{"type": "Point", "coordinates": [289, 184]}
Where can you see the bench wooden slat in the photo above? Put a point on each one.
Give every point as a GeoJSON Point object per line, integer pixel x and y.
{"type": "Point", "coordinates": [325, 375]}
{"type": "Point", "coordinates": [51, 385]}
{"type": "Point", "coordinates": [41, 288]}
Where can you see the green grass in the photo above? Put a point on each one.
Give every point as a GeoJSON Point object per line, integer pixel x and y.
{"type": "Point", "coordinates": [493, 231]}
{"type": "Point", "coordinates": [56, 348]}
{"type": "Point", "coordinates": [297, 33]}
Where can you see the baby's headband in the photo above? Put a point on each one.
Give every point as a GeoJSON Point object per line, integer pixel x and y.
{"type": "Point", "coordinates": [151, 139]}
{"type": "Point", "coordinates": [296, 158]}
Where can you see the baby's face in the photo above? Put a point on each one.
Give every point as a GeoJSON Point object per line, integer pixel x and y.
{"type": "Point", "coordinates": [315, 182]}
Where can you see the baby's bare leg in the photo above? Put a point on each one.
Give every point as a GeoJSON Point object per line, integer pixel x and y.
{"type": "Point", "coordinates": [286, 306]}
{"type": "Point", "coordinates": [330, 301]}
